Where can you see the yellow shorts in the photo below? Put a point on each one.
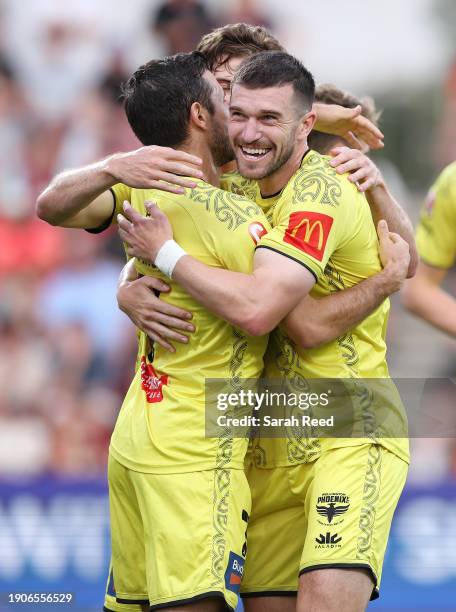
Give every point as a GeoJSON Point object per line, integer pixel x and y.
{"type": "Point", "coordinates": [334, 512]}
{"type": "Point", "coordinates": [110, 602]}
{"type": "Point", "coordinates": [177, 538]}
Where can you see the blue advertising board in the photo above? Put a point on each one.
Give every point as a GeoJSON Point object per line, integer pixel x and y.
{"type": "Point", "coordinates": [54, 538]}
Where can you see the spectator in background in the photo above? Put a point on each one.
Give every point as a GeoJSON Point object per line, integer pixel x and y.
{"type": "Point", "coordinates": [182, 23]}
{"type": "Point", "coordinates": [67, 298]}
{"type": "Point", "coordinates": [248, 11]}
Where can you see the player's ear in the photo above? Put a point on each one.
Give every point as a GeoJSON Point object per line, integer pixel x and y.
{"type": "Point", "coordinates": [198, 115]}
{"type": "Point", "coordinates": [306, 124]}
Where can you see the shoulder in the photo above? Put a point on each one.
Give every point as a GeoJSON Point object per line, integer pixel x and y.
{"type": "Point", "coordinates": [228, 208]}
{"type": "Point", "coordinates": [445, 185]}
{"type": "Point", "coordinates": [316, 181]}
{"type": "Point", "coordinates": [235, 183]}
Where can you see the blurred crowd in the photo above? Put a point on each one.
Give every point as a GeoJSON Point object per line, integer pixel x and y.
{"type": "Point", "coordinates": [66, 351]}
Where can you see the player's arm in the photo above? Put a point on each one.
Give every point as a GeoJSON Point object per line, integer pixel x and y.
{"type": "Point", "coordinates": [349, 124]}
{"type": "Point", "coordinates": [436, 240]}
{"type": "Point", "coordinates": [316, 321]}
{"type": "Point", "coordinates": [383, 205]}
{"type": "Point", "coordinates": [425, 298]}
{"type": "Point", "coordinates": [254, 302]}
{"type": "Point", "coordinates": [138, 299]}
{"type": "Point", "coordinates": [81, 197]}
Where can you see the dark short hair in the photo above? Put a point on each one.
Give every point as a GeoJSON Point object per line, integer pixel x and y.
{"type": "Point", "coordinates": [276, 68]}
{"type": "Point", "coordinates": [236, 40]}
{"type": "Point", "coordinates": [159, 95]}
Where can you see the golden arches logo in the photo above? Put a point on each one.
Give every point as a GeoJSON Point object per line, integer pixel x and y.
{"type": "Point", "coordinates": [305, 229]}
{"type": "Point", "coordinates": [308, 231]}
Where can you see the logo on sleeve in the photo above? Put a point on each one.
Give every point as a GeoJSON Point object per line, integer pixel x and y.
{"type": "Point", "coordinates": [151, 382]}
{"type": "Point", "coordinates": [308, 231]}
{"type": "Point", "coordinates": [234, 572]}
{"type": "Point", "coordinates": [257, 231]}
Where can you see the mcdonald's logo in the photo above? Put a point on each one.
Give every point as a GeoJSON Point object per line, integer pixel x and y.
{"type": "Point", "coordinates": [308, 231]}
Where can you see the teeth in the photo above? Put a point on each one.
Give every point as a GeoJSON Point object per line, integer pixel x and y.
{"type": "Point", "coordinates": [254, 151]}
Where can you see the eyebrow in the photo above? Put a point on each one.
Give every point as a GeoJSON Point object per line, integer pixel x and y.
{"type": "Point", "coordinates": [261, 112]}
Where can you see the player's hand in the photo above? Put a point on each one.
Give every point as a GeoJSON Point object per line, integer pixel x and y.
{"type": "Point", "coordinates": [162, 322]}
{"type": "Point", "coordinates": [394, 254]}
{"type": "Point", "coordinates": [144, 236]}
{"type": "Point", "coordinates": [363, 172]}
{"type": "Point", "coordinates": [155, 168]}
{"type": "Point", "coordinates": [348, 123]}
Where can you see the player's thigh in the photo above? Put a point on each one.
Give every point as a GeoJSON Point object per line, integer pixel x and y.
{"type": "Point", "coordinates": [129, 582]}
{"type": "Point", "coordinates": [275, 537]}
{"type": "Point", "coordinates": [195, 531]}
{"type": "Point", "coordinates": [211, 604]}
{"type": "Point", "coordinates": [270, 604]}
{"type": "Point", "coordinates": [350, 505]}
{"type": "Point", "coordinates": [334, 590]}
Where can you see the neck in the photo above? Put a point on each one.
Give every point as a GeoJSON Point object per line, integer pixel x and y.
{"type": "Point", "coordinates": [211, 173]}
{"type": "Point", "coordinates": [270, 185]}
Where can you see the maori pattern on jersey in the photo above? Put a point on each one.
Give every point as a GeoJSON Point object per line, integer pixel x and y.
{"type": "Point", "coordinates": [371, 494]}
{"type": "Point", "coordinates": [237, 358]}
{"type": "Point", "coordinates": [220, 505]}
{"type": "Point", "coordinates": [237, 184]}
{"type": "Point", "coordinates": [222, 472]}
{"type": "Point", "coordinates": [227, 207]}
{"type": "Point", "coordinates": [345, 342]}
{"type": "Point", "coordinates": [302, 445]}
{"type": "Point", "coordinates": [317, 182]}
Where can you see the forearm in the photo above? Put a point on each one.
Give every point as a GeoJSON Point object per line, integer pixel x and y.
{"type": "Point", "coordinates": [72, 191]}
{"type": "Point", "coordinates": [431, 303]}
{"type": "Point", "coordinates": [233, 296]}
{"type": "Point", "coordinates": [318, 321]}
{"type": "Point", "coordinates": [384, 206]}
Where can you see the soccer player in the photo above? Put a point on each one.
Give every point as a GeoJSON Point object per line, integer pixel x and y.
{"type": "Point", "coordinates": [323, 240]}
{"type": "Point", "coordinates": [225, 48]}
{"type": "Point", "coordinates": [179, 502]}
{"type": "Point", "coordinates": [436, 241]}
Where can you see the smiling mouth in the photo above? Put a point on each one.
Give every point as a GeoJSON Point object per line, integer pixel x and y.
{"type": "Point", "coordinates": [253, 153]}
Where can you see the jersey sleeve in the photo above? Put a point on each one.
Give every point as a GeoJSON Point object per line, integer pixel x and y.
{"type": "Point", "coordinates": [436, 231]}
{"type": "Point", "coordinates": [311, 218]}
{"type": "Point", "coordinates": [121, 193]}
{"type": "Point", "coordinates": [237, 249]}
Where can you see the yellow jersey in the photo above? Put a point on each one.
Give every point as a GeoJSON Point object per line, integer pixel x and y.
{"type": "Point", "coordinates": [161, 424]}
{"type": "Point", "coordinates": [436, 231]}
{"type": "Point", "coordinates": [323, 222]}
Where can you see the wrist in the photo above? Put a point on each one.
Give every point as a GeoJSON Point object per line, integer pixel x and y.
{"type": "Point", "coordinates": [168, 256]}
{"type": "Point", "coordinates": [378, 188]}
{"type": "Point", "coordinates": [110, 168]}
{"type": "Point", "coordinates": [392, 278]}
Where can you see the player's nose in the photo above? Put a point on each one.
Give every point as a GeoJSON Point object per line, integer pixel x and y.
{"type": "Point", "coordinates": [251, 131]}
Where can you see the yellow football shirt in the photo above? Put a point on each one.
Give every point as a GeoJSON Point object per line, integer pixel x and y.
{"type": "Point", "coordinates": [325, 224]}
{"type": "Point", "coordinates": [436, 231]}
{"type": "Point", "coordinates": [161, 425]}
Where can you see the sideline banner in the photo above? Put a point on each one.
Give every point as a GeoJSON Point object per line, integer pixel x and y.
{"type": "Point", "coordinates": [54, 539]}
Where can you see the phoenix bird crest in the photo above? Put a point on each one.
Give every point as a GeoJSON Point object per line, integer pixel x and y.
{"type": "Point", "coordinates": [332, 510]}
